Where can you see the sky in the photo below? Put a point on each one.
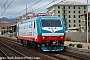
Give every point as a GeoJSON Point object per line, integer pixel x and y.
{"type": "Point", "coordinates": [12, 8]}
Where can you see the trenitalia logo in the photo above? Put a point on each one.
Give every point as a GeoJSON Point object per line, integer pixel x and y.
{"type": "Point", "coordinates": [52, 30]}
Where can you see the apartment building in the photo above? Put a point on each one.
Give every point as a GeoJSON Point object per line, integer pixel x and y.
{"type": "Point", "coordinates": [69, 11]}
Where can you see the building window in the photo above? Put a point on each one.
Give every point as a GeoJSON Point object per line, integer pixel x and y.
{"type": "Point", "coordinates": [79, 7]}
{"type": "Point", "coordinates": [59, 15]}
{"type": "Point", "coordinates": [64, 12]}
{"type": "Point", "coordinates": [58, 7]}
{"type": "Point", "coordinates": [58, 11]}
{"type": "Point", "coordinates": [68, 7]}
{"type": "Point", "coordinates": [84, 11]}
{"type": "Point", "coordinates": [78, 11]}
{"type": "Point", "coordinates": [79, 21]}
{"type": "Point", "coordinates": [79, 16]}
{"type": "Point", "coordinates": [64, 7]}
{"type": "Point", "coordinates": [69, 12]}
{"type": "Point", "coordinates": [73, 11]}
{"type": "Point", "coordinates": [74, 21]}
{"type": "Point", "coordinates": [74, 7]}
{"type": "Point", "coordinates": [74, 25]}
{"type": "Point", "coordinates": [69, 25]}
{"type": "Point", "coordinates": [69, 16]}
{"type": "Point", "coordinates": [84, 7]}
{"type": "Point", "coordinates": [74, 16]}
{"type": "Point", "coordinates": [2, 27]}
{"type": "Point", "coordinates": [79, 24]}
{"type": "Point", "coordinates": [69, 21]}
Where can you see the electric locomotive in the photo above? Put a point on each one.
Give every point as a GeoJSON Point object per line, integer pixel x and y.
{"type": "Point", "coordinates": [46, 33]}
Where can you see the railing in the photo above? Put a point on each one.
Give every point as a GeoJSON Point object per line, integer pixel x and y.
{"type": "Point", "coordinates": [64, 9]}
{"type": "Point", "coordinates": [64, 13]}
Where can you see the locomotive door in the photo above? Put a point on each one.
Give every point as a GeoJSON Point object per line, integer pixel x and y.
{"type": "Point", "coordinates": [34, 32]}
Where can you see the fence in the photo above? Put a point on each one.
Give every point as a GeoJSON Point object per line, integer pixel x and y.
{"type": "Point", "coordinates": [78, 36]}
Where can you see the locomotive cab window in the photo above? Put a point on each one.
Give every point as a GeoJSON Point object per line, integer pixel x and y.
{"type": "Point", "coordinates": [45, 23]}
{"type": "Point", "coordinates": [51, 23]}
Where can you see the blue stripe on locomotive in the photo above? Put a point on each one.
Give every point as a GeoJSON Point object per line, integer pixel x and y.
{"type": "Point", "coordinates": [39, 26]}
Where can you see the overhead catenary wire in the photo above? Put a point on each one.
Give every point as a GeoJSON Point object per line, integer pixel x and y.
{"type": "Point", "coordinates": [37, 8]}
{"type": "Point", "coordinates": [28, 7]}
{"type": "Point", "coordinates": [45, 5]}
{"type": "Point", "coordinates": [4, 5]}
{"type": "Point", "coordinates": [7, 8]}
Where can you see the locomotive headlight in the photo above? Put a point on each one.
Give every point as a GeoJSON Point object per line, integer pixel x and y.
{"type": "Point", "coordinates": [43, 37]}
{"type": "Point", "coordinates": [61, 37]}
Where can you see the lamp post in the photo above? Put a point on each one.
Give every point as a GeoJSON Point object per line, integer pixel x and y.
{"type": "Point", "coordinates": [5, 27]}
{"type": "Point", "coordinates": [13, 31]}
{"type": "Point", "coordinates": [87, 21]}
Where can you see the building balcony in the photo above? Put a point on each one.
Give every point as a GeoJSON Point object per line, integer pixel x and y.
{"type": "Point", "coordinates": [65, 19]}
{"type": "Point", "coordinates": [64, 13]}
{"type": "Point", "coordinates": [64, 9]}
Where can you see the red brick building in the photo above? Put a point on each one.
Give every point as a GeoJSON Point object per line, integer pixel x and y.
{"type": "Point", "coordinates": [5, 26]}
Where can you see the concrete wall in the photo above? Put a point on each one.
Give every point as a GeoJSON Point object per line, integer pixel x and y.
{"type": "Point", "coordinates": [78, 36]}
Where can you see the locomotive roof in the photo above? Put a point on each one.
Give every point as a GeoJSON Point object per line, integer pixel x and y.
{"type": "Point", "coordinates": [24, 21]}
{"type": "Point", "coordinates": [35, 18]}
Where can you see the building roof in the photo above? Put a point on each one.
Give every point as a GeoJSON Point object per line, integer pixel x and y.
{"type": "Point", "coordinates": [13, 24]}
{"type": "Point", "coordinates": [85, 14]}
{"type": "Point", "coordinates": [69, 3]}
{"type": "Point", "coordinates": [5, 22]}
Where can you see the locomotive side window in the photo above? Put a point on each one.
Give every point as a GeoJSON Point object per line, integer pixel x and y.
{"type": "Point", "coordinates": [51, 23]}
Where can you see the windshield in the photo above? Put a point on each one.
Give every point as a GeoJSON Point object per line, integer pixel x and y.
{"type": "Point", "coordinates": [51, 23]}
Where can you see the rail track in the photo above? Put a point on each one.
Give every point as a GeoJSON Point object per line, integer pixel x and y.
{"type": "Point", "coordinates": [77, 53]}
{"type": "Point", "coordinates": [10, 53]}
{"type": "Point", "coordinates": [27, 51]}
{"type": "Point", "coordinates": [68, 54]}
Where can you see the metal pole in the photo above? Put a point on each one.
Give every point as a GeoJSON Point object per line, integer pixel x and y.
{"type": "Point", "coordinates": [87, 21]}
{"type": "Point", "coordinates": [13, 31]}
{"type": "Point", "coordinates": [26, 12]}
{"type": "Point", "coordinates": [5, 27]}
